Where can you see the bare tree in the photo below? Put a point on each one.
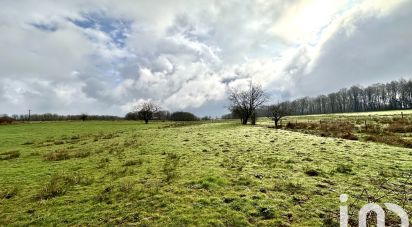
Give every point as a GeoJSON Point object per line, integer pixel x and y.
{"type": "Point", "coordinates": [276, 112]}
{"type": "Point", "coordinates": [146, 110]}
{"type": "Point", "coordinates": [245, 102]}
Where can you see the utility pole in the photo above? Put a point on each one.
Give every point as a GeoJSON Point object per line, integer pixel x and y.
{"type": "Point", "coordinates": [29, 114]}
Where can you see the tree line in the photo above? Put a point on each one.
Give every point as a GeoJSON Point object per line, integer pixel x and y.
{"type": "Point", "coordinates": [249, 103]}
{"type": "Point", "coordinates": [151, 111]}
{"type": "Point", "coordinates": [145, 112]}
{"type": "Point", "coordinates": [58, 117]}
{"type": "Point", "coordinates": [381, 96]}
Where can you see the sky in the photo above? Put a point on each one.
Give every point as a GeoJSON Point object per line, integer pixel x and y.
{"type": "Point", "coordinates": [106, 57]}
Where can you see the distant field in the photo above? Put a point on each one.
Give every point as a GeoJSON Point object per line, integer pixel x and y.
{"type": "Point", "coordinates": [375, 113]}
{"type": "Point", "coordinates": [170, 174]}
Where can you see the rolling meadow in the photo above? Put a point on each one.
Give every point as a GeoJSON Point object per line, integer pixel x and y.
{"type": "Point", "coordinates": [210, 173]}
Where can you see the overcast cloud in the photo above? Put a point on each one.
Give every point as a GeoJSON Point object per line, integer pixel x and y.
{"type": "Point", "coordinates": [104, 57]}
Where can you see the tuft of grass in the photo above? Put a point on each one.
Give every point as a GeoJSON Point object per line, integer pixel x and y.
{"type": "Point", "coordinates": [81, 154]}
{"type": "Point", "coordinates": [64, 154]}
{"type": "Point", "coordinates": [289, 187]}
{"type": "Point", "coordinates": [8, 192]}
{"type": "Point", "coordinates": [29, 142]}
{"type": "Point", "coordinates": [57, 155]}
{"type": "Point", "coordinates": [9, 155]}
{"type": "Point", "coordinates": [59, 184]}
{"type": "Point", "coordinates": [133, 162]}
{"type": "Point", "coordinates": [126, 186]}
{"type": "Point", "coordinates": [170, 167]}
{"type": "Point", "coordinates": [120, 172]}
{"type": "Point", "coordinates": [345, 169]}
{"type": "Point", "coordinates": [58, 142]}
{"type": "Point", "coordinates": [208, 182]}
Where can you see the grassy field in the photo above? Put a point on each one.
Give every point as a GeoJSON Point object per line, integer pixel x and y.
{"type": "Point", "coordinates": [204, 174]}
{"type": "Point", "coordinates": [387, 127]}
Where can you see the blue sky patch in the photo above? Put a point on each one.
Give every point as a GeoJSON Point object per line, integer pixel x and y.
{"type": "Point", "coordinates": [115, 28]}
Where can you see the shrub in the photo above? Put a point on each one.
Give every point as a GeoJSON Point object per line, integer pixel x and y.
{"type": "Point", "coordinates": [390, 140]}
{"type": "Point", "coordinates": [371, 128]}
{"type": "Point", "coordinates": [348, 136]}
{"type": "Point", "coordinates": [183, 116]}
{"type": "Point", "coordinates": [132, 116]}
{"type": "Point", "coordinates": [399, 127]}
{"type": "Point", "coordinates": [9, 155]}
{"type": "Point", "coordinates": [6, 120]}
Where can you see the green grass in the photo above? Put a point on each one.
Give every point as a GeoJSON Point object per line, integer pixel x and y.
{"type": "Point", "coordinates": [387, 127]}
{"type": "Point", "coordinates": [169, 174]}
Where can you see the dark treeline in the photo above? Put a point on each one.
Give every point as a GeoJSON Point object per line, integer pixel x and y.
{"type": "Point", "coordinates": [390, 96]}
{"type": "Point", "coordinates": [167, 116]}
{"type": "Point", "coordinates": [183, 116]}
{"type": "Point", "coordinates": [159, 115]}
{"type": "Point", "coordinates": [57, 117]}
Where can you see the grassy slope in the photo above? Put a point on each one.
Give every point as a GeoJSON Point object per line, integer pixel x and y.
{"type": "Point", "coordinates": [209, 174]}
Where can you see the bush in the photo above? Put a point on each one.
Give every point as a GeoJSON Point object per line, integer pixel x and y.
{"type": "Point", "coordinates": [348, 136]}
{"type": "Point", "coordinates": [390, 140]}
{"type": "Point", "coordinates": [132, 116]}
{"type": "Point", "coordinates": [6, 120]}
{"type": "Point", "coordinates": [371, 128]}
{"type": "Point", "coordinates": [399, 127]}
{"type": "Point", "coordinates": [183, 116]}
